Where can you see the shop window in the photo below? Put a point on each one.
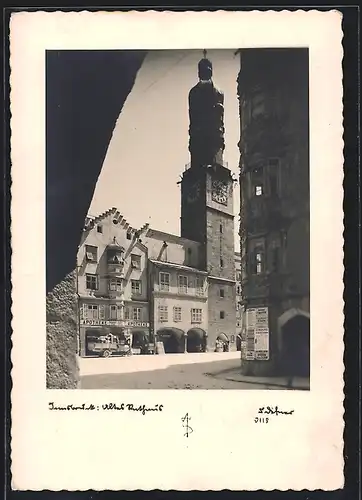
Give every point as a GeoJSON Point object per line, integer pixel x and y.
{"type": "Point", "coordinates": [196, 315]}
{"type": "Point", "coordinates": [183, 284]}
{"type": "Point", "coordinates": [92, 281]}
{"type": "Point", "coordinates": [136, 314]}
{"type": "Point", "coordinates": [177, 314]}
{"type": "Point", "coordinates": [222, 293]}
{"type": "Point", "coordinates": [99, 229]}
{"type": "Point", "coordinates": [222, 314]}
{"type": "Point", "coordinates": [91, 253]}
{"type": "Point", "coordinates": [135, 261]}
{"type": "Point", "coordinates": [164, 281]}
{"type": "Point", "coordinates": [91, 311]}
{"type": "Point", "coordinates": [136, 287]}
{"type": "Point", "coordinates": [115, 284]}
{"type": "Point", "coordinates": [162, 313]}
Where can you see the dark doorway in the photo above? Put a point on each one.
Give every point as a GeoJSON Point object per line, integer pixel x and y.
{"type": "Point", "coordinates": [196, 340]}
{"type": "Point", "coordinates": [238, 343]}
{"type": "Point", "coordinates": [173, 340]}
{"type": "Point", "coordinates": [296, 347]}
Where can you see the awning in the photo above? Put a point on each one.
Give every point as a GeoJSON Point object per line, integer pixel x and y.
{"type": "Point", "coordinates": [170, 332]}
{"type": "Point", "coordinates": [223, 337]}
{"type": "Point", "coordinates": [197, 332]}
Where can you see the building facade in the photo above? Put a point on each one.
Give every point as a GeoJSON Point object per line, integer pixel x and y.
{"type": "Point", "coordinates": [274, 212]}
{"type": "Point", "coordinates": [112, 280]}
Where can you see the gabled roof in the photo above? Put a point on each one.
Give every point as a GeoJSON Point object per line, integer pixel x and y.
{"type": "Point", "coordinates": [91, 222]}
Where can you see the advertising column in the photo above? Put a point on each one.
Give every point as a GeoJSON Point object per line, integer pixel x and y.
{"type": "Point", "coordinates": [256, 346]}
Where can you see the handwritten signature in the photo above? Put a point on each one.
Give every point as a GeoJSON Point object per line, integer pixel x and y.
{"type": "Point", "coordinates": [270, 410]}
{"type": "Point", "coordinates": [185, 423]}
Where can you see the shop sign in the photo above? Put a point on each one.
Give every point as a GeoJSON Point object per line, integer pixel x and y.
{"type": "Point", "coordinates": [101, 322]}
{"type": "Point", "coordinates": [137, 324]}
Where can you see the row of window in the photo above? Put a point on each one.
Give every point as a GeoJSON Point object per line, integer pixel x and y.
{"type": "Point", "coordinates": [114, 312]}
{"type": "Point", "coordinates": [113, 256]}
{"type": "Point", "coordinates": [196, 314]}
{"type": "Point", "coordinates": [184, 283]}
{"type": "Point", "coordinates": [114, 284]}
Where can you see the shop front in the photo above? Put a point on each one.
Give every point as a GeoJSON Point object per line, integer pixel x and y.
{"type": "Point", "coordinates": [140, 332]}
{"type": "Point", "coordinates": [90, 330]}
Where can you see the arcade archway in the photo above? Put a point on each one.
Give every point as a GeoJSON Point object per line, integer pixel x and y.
{"type": "Point", "coordinates": [295, 344]}
{"type": "Point", "coordinates": [173, 340]}
{"type": "Point", "coordinates": [196, 340]}
{"type": "Point", "coordinates": [223, 339]}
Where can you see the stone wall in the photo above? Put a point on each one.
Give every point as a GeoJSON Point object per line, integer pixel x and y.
{"type": "Point", "coordinates": [61, 340]}
{"type": "Point", "coordinates": [216, 304]}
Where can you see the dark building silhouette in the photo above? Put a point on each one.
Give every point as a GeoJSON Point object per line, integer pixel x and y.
{"type": "Point", "coordinates": [207, 213]}
{"type": "Point", "coordinates": [274, 214]}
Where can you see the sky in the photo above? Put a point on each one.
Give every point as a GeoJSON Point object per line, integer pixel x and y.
{"type": "Point", "coordinates": [149, 146]}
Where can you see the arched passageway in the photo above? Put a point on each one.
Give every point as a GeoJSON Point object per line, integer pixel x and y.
{"type": "Point", "coordinates": [173, 340]}
{"type": "Point", "coordinates": [295, 352]}
{"type": "Point", "coordinates": [223, 340]}
{"type": "Point", "coordinates": [196, 340]}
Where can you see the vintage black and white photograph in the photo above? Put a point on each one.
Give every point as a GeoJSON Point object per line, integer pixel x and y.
{"type": "Point", "coordinates": [177, 251]}
{"type": "Point", "coordinates": [192, 263]}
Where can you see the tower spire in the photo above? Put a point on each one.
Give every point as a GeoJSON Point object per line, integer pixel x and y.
{"type": "Point", "coordinates": [204, 53]}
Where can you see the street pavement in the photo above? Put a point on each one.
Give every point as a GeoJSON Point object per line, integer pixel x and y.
{"type": "Point", "coordinates": [172, 371]}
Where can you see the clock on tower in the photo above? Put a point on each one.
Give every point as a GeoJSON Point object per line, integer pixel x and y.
{"type": "Point", "coordinates": [219, 192]}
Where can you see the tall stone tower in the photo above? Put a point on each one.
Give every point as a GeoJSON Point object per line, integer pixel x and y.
{"type": "Point", "coordinates": [207, 213]}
